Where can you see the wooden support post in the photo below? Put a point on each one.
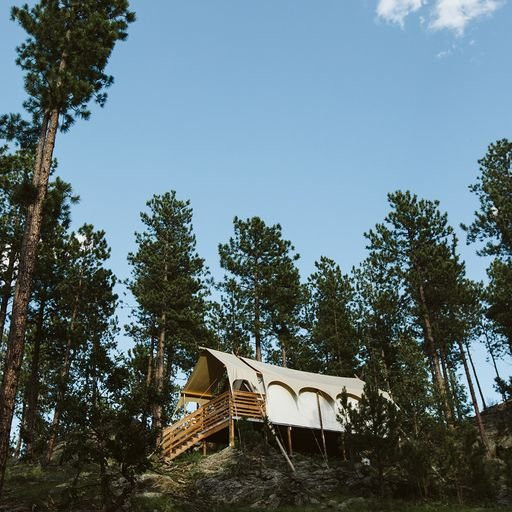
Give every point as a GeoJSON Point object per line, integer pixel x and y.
{"type": "Point", "coordinates": [204, 448]}
{"type": "Point", "coordinates": [232, 433]}
{"type": "Point", "coordinates": [231, 422]}
{"type": "Point", "coordinates": [290, 448]}
{"type": "Point", "coordinates": [321, 426]}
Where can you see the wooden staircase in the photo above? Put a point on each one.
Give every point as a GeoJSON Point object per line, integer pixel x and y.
{"type": "Point", "coordinates": [216, 415]}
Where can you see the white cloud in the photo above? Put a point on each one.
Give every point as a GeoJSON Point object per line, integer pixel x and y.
{"type": "Point", "coordinates": [395, 11]}
{"type": "Point", "coordinates": [446, 14]}
{"type": "Point", "coordinates": [456, 14]}
{"type": "Point", "coordinates": [443, 54]}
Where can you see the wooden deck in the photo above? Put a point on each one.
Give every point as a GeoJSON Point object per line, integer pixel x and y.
{"type": "Point", "coordinates": [218, 414]}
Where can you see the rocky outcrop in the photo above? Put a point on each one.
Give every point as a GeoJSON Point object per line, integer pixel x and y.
{"type": "Point", "coordinates": [261, 481]}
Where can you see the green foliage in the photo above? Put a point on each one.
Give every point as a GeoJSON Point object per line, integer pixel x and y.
{"type": "Point", "coordinates": [493, 221]}
{"type": "Point", "coordinates": [331, 321]}
{"type": "Point", "coordinates": [169, 283]}
{"type": "Point", "coordinates": [263, 279]}
{"type": "Point", "coordinates": [66, 52]}
{"type": "Point", "coordinates": [415, 249]}
{"type": "Point", "coordinates": [227, 321]}
{"type": "Point", "coordinates": [499, 297]}
{"type": "Point", "coordinates": [372, 430]}
{"type": "Point", "coordinates": [492, 224]}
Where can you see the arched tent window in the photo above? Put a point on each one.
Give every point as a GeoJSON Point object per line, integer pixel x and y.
{"type": "Point", "coordinates": [308, 408]}
{"type": "Point", "coordinates": [282, 404]}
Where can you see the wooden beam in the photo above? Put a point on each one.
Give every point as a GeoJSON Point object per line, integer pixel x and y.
{"type": "Point", "coordinates": [321, 425]}
{"type": "Point", "coordinates": [279, 444]}
{"type": "Point", "coordinates": [290, 447]}
{"type": "Point", "coordinates": [196, 395]}
{"type": "Point", "coordinates": [232, 433]}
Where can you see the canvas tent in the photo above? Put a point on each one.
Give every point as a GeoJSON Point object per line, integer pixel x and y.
{"type": "Point", "coordinates": [292, 397]}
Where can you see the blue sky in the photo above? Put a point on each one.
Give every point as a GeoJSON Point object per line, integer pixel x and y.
{"type": "Point", "coordinates": [304, 113]}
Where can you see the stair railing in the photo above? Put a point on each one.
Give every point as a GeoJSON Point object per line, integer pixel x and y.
{"type": "Point", "coordinates": [223, 408]}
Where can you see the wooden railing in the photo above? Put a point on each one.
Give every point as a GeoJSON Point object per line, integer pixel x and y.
{"type": "Point", "coordinates": [210, 418]}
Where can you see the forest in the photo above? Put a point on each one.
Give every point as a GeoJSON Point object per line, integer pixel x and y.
{"type": "Point", "coordinates": [405, 320]}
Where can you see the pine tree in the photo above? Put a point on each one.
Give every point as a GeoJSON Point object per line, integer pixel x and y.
{"type": "Point", "coordinates": [102, 431]}
{"type": "Point", "coordinates": [15, 193]}
{"type": "Point", "coordinates": [493, 221]}
{"type": "Point", "coordinates": [492, 225]}
{"type": "Point", "coordinates": [169, 284]}
{"type": "Point", "coordinates": [226, 321]}
{"type": "Point", "coordinates": [82, 312]}
{"type": "Point", "coordinates": [262, 274]}
{"type": "Point", "coordinates": [372, 430]}
{"type": "Point", "coordinates": [499, 300]}
{"type": "Point", "coordinates": [416, 246]}
{"type": "Point", "coordinates": [46, 290]}
{"type": "Point", "coordinates": [332, 337]}
{"type": "Point", "coordinates": [64, 58]}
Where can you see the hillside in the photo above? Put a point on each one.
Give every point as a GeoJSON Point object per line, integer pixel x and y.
{"type": "Point", "coordinates": [226, 480]}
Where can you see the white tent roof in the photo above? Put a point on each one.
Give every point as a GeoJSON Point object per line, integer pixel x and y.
{"type": "Point", "coordinates": [237, 369]}
{"type": "Point", "coordinates": [212, 364]}
{"type": "Point", "coordinates": [298, 380]}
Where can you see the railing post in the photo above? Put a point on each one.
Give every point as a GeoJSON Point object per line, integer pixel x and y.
{"type": "Point", "coordinates": [231, 422]}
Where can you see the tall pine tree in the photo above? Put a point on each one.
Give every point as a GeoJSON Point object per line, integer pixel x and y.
{"type": "Point", "coordinates": [64, 58]}
{"type": "Point", "coordinates": [263, 275]}
{"type": "Point", "coordinates": [169, 284]}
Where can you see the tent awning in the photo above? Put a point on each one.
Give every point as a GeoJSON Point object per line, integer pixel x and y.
{"type": "Point", "coordinates": [211, 367]}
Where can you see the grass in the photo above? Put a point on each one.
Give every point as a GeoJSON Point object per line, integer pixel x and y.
{"type": "Point", "coordinates": [144, 503]}
{"type": "Point", "coordinates": [32, 484]}
{"type": "Point", "coordinates": [47, 488]}
{"type": "Point", "coordinates": [377, 506]}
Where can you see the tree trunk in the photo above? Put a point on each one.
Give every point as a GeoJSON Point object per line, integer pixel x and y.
{"type": "Point", "coordinates": [149, 373]}
{"type": "Point", "coordinates": [19, 443]}
{"type": "Point", "coordinates": [453, 383]}
{"type": "Point", "coordinates": [33, 385]}
{"type": "Point", "coordinates": [476, 376]}
{"type": "Point", "coordinates": [159, 381]}
{"type": "Point", "coordinates": [63, 384]}
{"type": "Point", "coordinates": [149, 383]}
{"type": "Point", "coordinates": [431, 351]}
{"type": "Point", "coordinates": [448, 382]}
{"type": "Point", "coordinates": [478, 418]}
{"type": "Point", "coordinates": [159, 371]}
{"type": "Point", "coordinates": [257, 333]}
{"type": "Point", "coordinates": [491, 353]}
{"type": "Point", "coordinates": [7, 291]}
{"type": "Point", "coordinates": [23, 287]}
